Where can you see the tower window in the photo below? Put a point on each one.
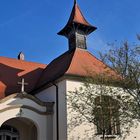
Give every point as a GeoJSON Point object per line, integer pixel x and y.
{"type": "Point", "coordinates": [81, 41]}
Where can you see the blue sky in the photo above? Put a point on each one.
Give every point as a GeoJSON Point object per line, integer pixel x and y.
{"type": "Point", "coordinates": [31, 26]}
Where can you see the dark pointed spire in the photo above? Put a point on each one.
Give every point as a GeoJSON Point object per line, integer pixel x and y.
{"type": "Point", "coordinates": [77, 28]}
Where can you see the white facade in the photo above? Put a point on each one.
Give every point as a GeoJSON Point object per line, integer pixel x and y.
{"type": "Point", "coordinates": [49, 94]}
{"type": "Point", "coordinates": [26, 113]}
{"type": "Point", "coordinates": [85, 130]}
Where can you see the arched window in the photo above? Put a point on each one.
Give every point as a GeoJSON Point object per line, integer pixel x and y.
{"type": "Point", "coordinates": [107, 115]}
{"type": "Point", "coordinates": [8, 133]}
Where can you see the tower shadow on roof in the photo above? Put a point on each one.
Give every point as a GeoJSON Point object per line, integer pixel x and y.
{"type": "Point", "coordinates": [9, 79]}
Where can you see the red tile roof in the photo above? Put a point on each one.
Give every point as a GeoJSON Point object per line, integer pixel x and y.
{"type": "Point", "coordinates": [77, 62]}
{"type": "Point", "coordinates": [84, 63]}
{"type": "Point", "coordinates": [11, 71]}
{"type": "Point", "coordinates": [77, 16]}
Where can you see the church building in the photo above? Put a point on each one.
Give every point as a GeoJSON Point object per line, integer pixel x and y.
{"type": "Point", "coordinates": [33, 103]}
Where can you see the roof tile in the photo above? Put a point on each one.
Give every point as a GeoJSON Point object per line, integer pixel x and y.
{"type": "Point", "coordinates": [11, 71]}
{"type": "Point", "coordinates": [76, 62]}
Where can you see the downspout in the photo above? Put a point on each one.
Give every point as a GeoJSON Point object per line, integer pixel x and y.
{"type": "Point", "coordinates": [57, 112]}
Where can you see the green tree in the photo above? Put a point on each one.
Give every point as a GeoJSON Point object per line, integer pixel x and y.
{"type": "Point", "coordinates": [99, 103]}
{"type": "Point", "coordinates": [111, 104]}
{"type": "Point", "coordinates": [125, 60]}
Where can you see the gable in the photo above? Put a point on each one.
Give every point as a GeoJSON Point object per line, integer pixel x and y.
{"type": "Point", "coordinates": [11, 72]}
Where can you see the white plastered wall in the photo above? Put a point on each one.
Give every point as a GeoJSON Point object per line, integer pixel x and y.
{"type": "Point", "coordinates": [49, 95]}
{"type": "Point", "coordinates": [85, 130]}
{"type": "Point", "coordinates": [12, 107]}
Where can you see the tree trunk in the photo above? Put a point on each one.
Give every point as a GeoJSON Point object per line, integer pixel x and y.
{"type": "Point", "coordinates": [103, 135]}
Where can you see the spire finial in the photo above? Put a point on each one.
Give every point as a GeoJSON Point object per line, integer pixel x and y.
{"type": "Point", "coordinates": [75, 2]}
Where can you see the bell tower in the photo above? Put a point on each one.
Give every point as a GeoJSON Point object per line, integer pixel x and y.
{"type": "Point", "coordinates": [76, 29]}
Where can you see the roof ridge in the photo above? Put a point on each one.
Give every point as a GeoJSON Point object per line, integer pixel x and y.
{"type": "Point", "coordinates": [14, 59]}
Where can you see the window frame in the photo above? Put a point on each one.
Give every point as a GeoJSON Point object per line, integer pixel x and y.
{"type": "Point", "coordinates": [106, 104]}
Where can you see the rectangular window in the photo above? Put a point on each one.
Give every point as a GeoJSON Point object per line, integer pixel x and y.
{"type": "Point", "coordinates": [107, 116]}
